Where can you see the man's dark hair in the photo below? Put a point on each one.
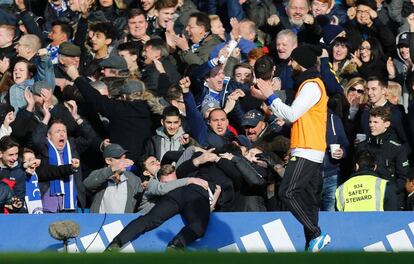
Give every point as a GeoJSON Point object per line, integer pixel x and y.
{"type": "Point", "coordinates": [160, 4]}
{"type": "Point", "coordinates": [158, 44]}
{"type": "Point", "coordinates": [132, 47]}
{"type": "Point", "coordinates": [24, 151]}
{"type": "Point", "coordinates": [170, 111]}
{"type": "Point", "coordinates": [202, 20]}
{"type": "Point", "coordinates": [383, 112]}
{"type": "Point", "coordinates": [215, 110]}
{"type": "Point", "coordinates": [229, 148]}
{"type": "Point", "coordinates": [65, 28]}
{"type": "Point", "coordinates": [381, 80]}
{"type": "Point", "coordinates": [142, 160]}
{"type": "Point", "coordinates": [105, 28]}
{"type": "Point", "coordinates": [365, 160]}
{"type": "Point", "coordinates": [135, 12]}
{"type": "Point", "coordinates": [263, 68]}
{"type": "Point", "coordinates": [54, 122]}
{"type": "Point", "coordinates": [166, 169]}
{"type": "Point", "coordinates": [6, 143]}
{"type": "Point", "coordinates": [173, 93]}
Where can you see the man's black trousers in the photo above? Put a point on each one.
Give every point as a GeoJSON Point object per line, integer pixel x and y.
{"type": "Point", "coordinates": [300, 191]}
{"type": "Point", "coordinates": [190, 201]}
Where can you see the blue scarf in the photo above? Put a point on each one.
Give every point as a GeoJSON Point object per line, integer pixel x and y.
{"type": "Point", "coordinates": [65, 187]}
{"type": "Point", "coordinates": [33, 197]}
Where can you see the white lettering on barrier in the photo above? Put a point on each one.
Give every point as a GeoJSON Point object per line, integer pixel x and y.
{"type": "Point", "coordinates": [376, 247]}
{"type": "Point", "coordinates": [230, 248]}
{"type": "Point", "coordinates": [275, 232]}
{"type": "Point", "coordinates": [399, 241]}
{"type": "Point", "coordinates": [411, 225]}
{"type": "Point", "coordinates": [253, 243]}
{"type": "Point", "coordinates": [278, 236]}
{"type": "Point", "coordinates": [93, 243]}
{"type": "Point", "coordinates": [112, 230]}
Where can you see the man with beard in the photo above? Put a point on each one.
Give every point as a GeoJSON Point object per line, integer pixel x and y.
{"type": "Point", "coordinates": [263, 135]}
{"type": "Point", "coordinates": [401, 65]}
{"type": "Point", "coordinates": [302, 181]}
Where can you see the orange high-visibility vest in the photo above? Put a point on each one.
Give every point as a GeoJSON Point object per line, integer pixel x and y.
{"type": "Point", "coordinates": [309, 131]}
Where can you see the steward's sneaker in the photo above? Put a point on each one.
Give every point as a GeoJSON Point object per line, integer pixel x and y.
{"type": "Point", "coordinates": [113, 247]}
{"type": "Point", "coordinates": [317, 244]}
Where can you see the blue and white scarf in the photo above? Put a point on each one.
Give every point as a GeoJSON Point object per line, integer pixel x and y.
{"type": "Point", "coordinates": [195, 46]}
{"type": "Point", "coordinates": [53, 52]}
{"type": "Point", "coordinates": [33, 196]}
{"type": "Point", "coordinates": [65, 187]}
{"type": "Point", "coordinates": [59, 9]}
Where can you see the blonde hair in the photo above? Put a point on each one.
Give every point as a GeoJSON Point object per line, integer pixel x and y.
{"type": "Point", "coordinates": [394, 92]}
{"type": "Point", "coordinates": [354, 81]}
{"type": "Point", "coordinates": [213, 18]}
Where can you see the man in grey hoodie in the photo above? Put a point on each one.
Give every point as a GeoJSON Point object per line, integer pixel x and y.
{"type": "Point", "coordinates": [170, 136]}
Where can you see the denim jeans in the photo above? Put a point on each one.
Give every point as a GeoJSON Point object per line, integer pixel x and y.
{"type": "Point", "coordinates": [328, 193]}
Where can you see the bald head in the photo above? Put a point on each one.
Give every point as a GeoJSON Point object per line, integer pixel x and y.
{"type": "Point", "coordinates": [28, 46]}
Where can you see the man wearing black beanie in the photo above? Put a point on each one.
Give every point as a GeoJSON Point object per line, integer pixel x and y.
{"type": "Point", "coordinates": [302, 181]}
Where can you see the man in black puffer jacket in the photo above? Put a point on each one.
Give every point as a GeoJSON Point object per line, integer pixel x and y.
{"type": "Point", "coordinates": [391, 155]}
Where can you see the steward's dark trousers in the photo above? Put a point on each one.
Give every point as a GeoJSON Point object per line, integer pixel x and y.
{"type": "Point", "coordinates": [190, 201]}
{"type": "Point", "coordinates": [300, 191]}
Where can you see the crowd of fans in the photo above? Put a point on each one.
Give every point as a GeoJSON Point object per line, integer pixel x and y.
{"type": "Point", "coordinates": [100, 98]}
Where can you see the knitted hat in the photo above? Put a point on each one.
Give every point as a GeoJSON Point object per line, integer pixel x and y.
{"type": "Point", "coordinates": [370, 3]}
{"type": "Point", "coordinates": [305, 56]}
{"type": "Point", "coordinates": [330, 32]}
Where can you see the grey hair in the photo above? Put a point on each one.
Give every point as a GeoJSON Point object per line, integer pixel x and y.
{"type": "Point", "coordinates": [99, 85]}
{"type": "Point", "coordinates": [288, 33]}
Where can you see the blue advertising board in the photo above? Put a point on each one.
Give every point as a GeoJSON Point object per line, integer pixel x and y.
{"type": "Point", "coordinates": [235, 232]}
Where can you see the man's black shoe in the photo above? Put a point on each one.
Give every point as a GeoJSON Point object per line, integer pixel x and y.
{"type": "Point", "coordinates": [113, 247]}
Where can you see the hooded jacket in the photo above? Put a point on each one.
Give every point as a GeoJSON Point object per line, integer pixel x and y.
{"type": "Point", "coordinates": [160, 143]}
